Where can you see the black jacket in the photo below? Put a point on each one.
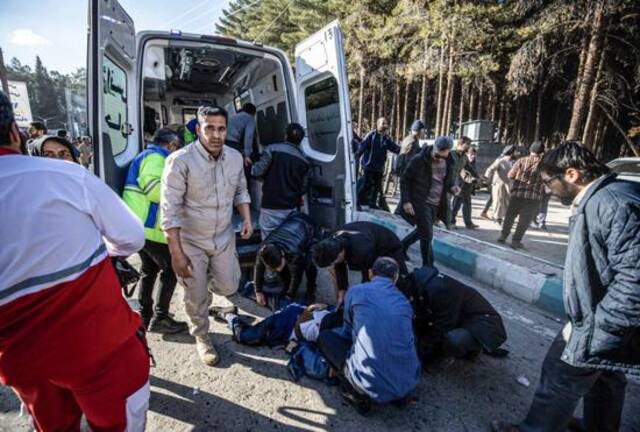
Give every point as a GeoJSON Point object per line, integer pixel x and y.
{"type": "Point", "coordinates": [285, 171]}
{"type": "Point", "coordinates": [363, 243]}
{"type": "Point", "coordinates": [602, 278]}
{"type": "Point", "coordinates": [442, 304]}
{"type": "Point", "coordinates": [294, 237]}
{"type": "Point", "coordinates": [415, 184]}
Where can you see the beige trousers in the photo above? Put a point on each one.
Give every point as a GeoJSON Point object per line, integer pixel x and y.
{"type": "Point", "coordinates": [214, 272]}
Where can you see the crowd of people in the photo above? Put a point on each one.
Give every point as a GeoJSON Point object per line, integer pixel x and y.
{"type": "Point", "coordinates": [70, 345]}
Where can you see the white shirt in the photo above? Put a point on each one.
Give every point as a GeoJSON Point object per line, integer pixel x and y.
{"type": "Point", "coordinates": [311, 329]}
{"type": "Point", "coordinates": [58, 219]}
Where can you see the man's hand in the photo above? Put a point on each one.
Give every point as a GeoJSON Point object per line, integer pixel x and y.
{"type": "Point", "coordinates": [408, 209]}
{"type": "Point", "coordinates": [181, 265]}
{"type": "Point", "coordinates": [340, 298]}
{"type": "Point", "coordinates": [261, 299]}
{"type": "Point", "coordinates": [248, 162]}
{"type": "Point", "coordinates": [247, 230]}
{"type": "Point", "coordinates": [455, 190]}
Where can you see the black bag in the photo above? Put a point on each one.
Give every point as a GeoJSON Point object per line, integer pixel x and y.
{"type": "Point", "coordinates": [127, 274]}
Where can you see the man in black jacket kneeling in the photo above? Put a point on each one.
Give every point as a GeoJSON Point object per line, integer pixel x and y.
{"type": "Point", "coordinates": [286, 252]}
{"type": "Point", "coordinates": [451, 319]}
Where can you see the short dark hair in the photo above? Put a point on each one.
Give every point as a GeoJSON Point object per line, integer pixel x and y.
{"type": "Point", "coordinates": [572, 154]}
{"type": "Point", "coordinates": [326, 252]}
{"type": "Point", "coordinates": [295, 133]}
{"type": "Point", "coordinates": [270, 255]}
{"type": "Point", "coordinates": [207, 110]}
{"type": "Point", "coordinates": [38, 125]}
{"type": "Point", "coordinates": [165, 136]}
{"type": "Point", "coordinates": [465, 140]}
{"type": "Point", "coordinates": [385, 267]}
{"type": "Point", "coordinates": [249, 108]}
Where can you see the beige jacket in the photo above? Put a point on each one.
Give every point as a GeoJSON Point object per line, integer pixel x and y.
{"type": "Point", "coordinates": [199, 192]}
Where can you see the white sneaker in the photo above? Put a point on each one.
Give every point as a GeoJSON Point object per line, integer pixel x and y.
{"type": "Point", "coordinates": [207, 351]}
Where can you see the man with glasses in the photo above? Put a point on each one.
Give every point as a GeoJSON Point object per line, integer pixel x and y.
{"type": "Point", "coordinates": [142, 195]}
{"type": "Point", "coordinates": [54, 147]}
{"type": "Point", "coordinates": [201, 184]}
{"type": "Point", "coordinates": [526, 194]}
{"type": "Point", "coordinates": [601, 342]}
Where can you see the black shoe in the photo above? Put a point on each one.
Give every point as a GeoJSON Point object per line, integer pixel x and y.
{"type": "Point", "coordinates": [361, 403]}
{"type": "Point", "coordinates": [502, 239]}
{"type": "Point", "coordinates": [497, 353]}
{"type": "Point", "coordinates": [167, 325]}
{"type": "Point", "coordinates": [517, 245]}
{"type": "Point", "coordinates": [219, 313]}
{"type": "Point", "coordinates": [472, 226]}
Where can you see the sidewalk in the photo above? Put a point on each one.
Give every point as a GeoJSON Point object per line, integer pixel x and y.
{"type": "Point", "coordinates": [533, 275]}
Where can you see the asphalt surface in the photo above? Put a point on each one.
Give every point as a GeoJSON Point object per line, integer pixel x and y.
{"type": "Point", "coordinates": [251, 390]}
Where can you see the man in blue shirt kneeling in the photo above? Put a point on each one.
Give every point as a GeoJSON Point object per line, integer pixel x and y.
{"type": "Point", "coordinates": [374, 353]}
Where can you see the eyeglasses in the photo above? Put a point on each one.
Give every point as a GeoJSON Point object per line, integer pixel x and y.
{"type": "Point", "coordinates": [550, 180]}
{"type": "Point", "coordinates": [62, 154]}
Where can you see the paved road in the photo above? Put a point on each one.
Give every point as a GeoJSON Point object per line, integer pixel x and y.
{"type": "Point", "coordinates": [251, 389]}
{"type": "Point", "coordinates": [549, 245]}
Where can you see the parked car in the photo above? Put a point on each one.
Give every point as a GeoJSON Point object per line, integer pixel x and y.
{"type": "Point", "coordinates": [627, 168]}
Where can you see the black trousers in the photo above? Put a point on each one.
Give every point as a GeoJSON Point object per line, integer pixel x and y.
{"type": "Point", "coordinates": [460, 343]}
{"type": "Point", "coordinates": [424, 233]}
{"type": "Point", "coordinates": [335, 348]}
{"type": "Point", "coordinates": [371, 188]}
{"type": "Point", "coordinates": [525, 210]}
{"type": "Point", "coordinates": [562, 386]}
{"type": "Point", "coordinates": [463, 200]}
{"type": "Point", "coordinates": [155, 259]}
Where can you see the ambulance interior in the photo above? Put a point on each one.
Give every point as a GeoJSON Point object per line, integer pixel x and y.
{"type": "Point", "coordinates": [180, 76]}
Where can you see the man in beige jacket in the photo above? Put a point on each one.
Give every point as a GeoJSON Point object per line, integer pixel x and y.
{"type": "Point", "coordinates": [200, 185]}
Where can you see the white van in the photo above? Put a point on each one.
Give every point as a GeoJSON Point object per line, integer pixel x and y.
{"type": "Point", "coordinates": [140, 81]}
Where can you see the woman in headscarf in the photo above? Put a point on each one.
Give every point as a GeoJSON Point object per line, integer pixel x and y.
{"type": "Point", "coordinates": [55, 147]}
{"type": "Point", "coordinates": [497, 173]}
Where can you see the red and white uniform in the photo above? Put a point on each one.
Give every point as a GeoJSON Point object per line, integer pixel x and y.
{"type": "Point", "coordinates": [68, 341]}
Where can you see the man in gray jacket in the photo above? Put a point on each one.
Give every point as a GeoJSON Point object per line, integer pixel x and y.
{"type": "Point", "coordinates": [601, 342]}
{"type": "Point", "coordinates": [200, 185]}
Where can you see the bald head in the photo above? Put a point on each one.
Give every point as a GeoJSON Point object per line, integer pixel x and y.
{"type": "Point", "coordinates": [385, 267]}
{"type": "Point", "coordinates": [382, 125]}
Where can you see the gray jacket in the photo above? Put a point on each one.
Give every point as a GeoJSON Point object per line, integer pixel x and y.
{"type": "Point", "coordinates": [199, 192]}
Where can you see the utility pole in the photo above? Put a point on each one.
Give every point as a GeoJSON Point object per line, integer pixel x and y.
{"type": "Point", "coordinates": [3, 76]}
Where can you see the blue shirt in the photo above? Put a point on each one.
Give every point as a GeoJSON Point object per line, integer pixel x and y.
{"type": "Point", "coordinates": [383, 362]}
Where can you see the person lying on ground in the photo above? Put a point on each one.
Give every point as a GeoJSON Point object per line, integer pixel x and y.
{"type": "Point", "coordinates": [374, 353]}
{"type": "Point", "coordinates": [452, 319]}
{"type": "Point", "coordinates": [356, 246]}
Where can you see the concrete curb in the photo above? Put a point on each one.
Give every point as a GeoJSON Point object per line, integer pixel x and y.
{"type": "Point", "coordinates": [526, 278]}
{"type": "Point", "coordinates": [530, 279]}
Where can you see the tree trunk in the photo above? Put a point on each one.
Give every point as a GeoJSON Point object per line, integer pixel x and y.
{"type": "Point", "coordinates": [588, 76]}
{"type": "Point", "coordinates": [480, 113]}
{"type": "Point", "coordinates": [440, 103]}
{"type": "Point", "coordinates": [492, 105]}
{"type": "Point", "coordinates": [361, 99]}
{"type": "Point", "coordinates": [587, 135]}
{"type": "Point", "coordinates": [445, 122]}
{"type": "Point", "coordinates": [416, 108]}
{"type": "Point", "coordinates": [373, 105]}
{"type": "Point", "coordinates": [507, 138]}
{"type": "Point", "coordinates": [500, 133]}
{"type": "Point", "coordinates": [472, 103]}
{"type": "Point", "coordinates": [405, 113]}
{"type": "Point", "coordinates": [617, 126]}
{"type": "Point", "coordinates": [393, 123]}
{"type": "Point", "coordinates": [381, 110]}
{"type": "Point", "coordinates": [463, 89]}
{"type": "Point", "coordinates": [536, 132]}
{"type": "Point", "coordinates": [423, 98]}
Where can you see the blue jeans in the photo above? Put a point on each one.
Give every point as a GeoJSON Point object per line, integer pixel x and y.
{"type": "Point", "coordinates": [562, 386]}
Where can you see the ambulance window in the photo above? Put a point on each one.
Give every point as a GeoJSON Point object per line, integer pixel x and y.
{"type": "Point", "coordinates": [323, 115]}
{"type": "Point", "coordinates": [115, 104]}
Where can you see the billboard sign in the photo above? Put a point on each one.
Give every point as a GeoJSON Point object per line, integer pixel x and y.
{"type": "Point", "coordinates": [20, 102]}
